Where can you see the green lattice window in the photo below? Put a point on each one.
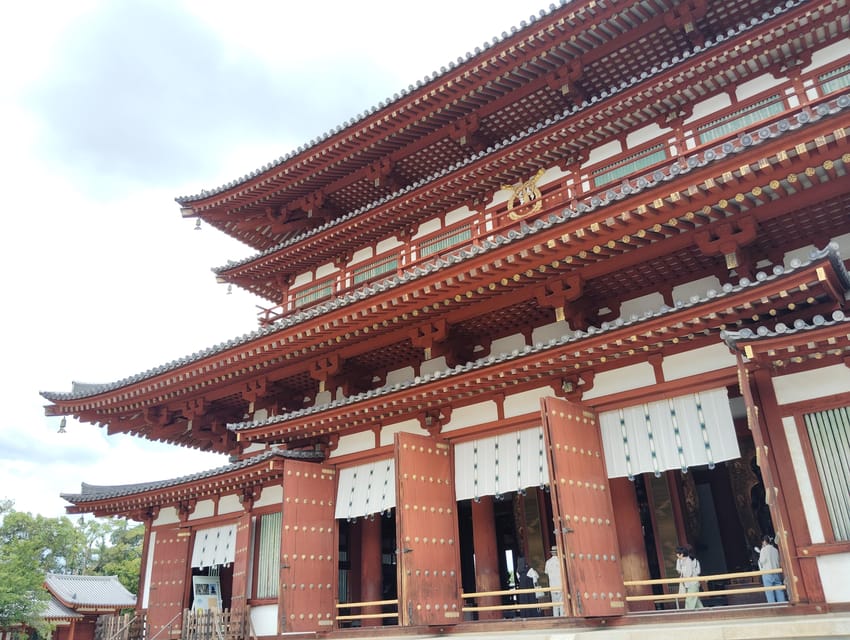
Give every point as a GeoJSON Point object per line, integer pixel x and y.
{"type": "Point", "coordinates": [628, 165]}
{"type": "Point", "coordinates": [314, 293]}
{"type": "Point", "coordinates": [745, 117]}
{"type": "Point", "coordinates": [829, 434]}
{"type": "Point", "coordinates": [834, 80]}
{"type": "Point", "coordinates": [268, 555]}
{"type": "Point", "coordinates": [374, 269]}
{"type": "Point", "coordinates": [445, 241]}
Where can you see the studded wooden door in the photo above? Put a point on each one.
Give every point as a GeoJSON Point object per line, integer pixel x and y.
{"type": "Point", "coordinates": [585, 531]}
{"type": "Point", "coordinates": [307, 558]}
{"type": "Point", "coordinates": [169, 576]}
{"type": "Point", "coordinates": [426, 517]}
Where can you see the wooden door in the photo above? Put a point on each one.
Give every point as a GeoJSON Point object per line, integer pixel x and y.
{"type": "Point", "coordinates": [169, 574]}
{"type": "Point", "coordinates": [427, 546]}
{"type": "Point", "coordinates": [307, 556]}
{"type": "Point", "coordinates": [584, 516]}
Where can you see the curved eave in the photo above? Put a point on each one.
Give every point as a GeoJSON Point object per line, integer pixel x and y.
{"type": "Point", "coordinates": [570, 358]}
{"type": "Point", "coordinates": [140, 501]}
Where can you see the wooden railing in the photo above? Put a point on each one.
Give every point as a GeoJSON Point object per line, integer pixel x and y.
{"type": "Point", "coordinates": [367, 616]}
{"type": "Point", "coordinates": [213, 624]}
{"type": "Point", "coordinates": [703, 580]}
{"type": "Point", "coordinates": [127, 626]}
{"type": "Point", "coordinates": [513, 596]}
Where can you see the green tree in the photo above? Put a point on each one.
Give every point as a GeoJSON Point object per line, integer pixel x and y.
{"type": "Point", "coordinates": [116, 550]}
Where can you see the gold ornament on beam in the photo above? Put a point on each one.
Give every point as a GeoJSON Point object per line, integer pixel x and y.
{"type": "Point", "coordinates": [526, 197]}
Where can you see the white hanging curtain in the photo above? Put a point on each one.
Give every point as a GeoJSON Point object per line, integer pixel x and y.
{"type": "Point", "coordinates": [366, 489]}
{"type": "Point", "coordinates": [500, 464]}
{"type": "Point", "coordinates": [214, 546]}
{"type": "Point", "coordinates": [676, 433]}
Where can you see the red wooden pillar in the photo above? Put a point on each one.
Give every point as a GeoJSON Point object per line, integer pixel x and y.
{"type": "Point", "coordinates": [630, 538]}
{"type": "Point", "coordinates": [371, 579]}
{"type": "Point", "coordinates": [486, 555]}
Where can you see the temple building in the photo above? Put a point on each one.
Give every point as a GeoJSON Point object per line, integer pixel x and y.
{"type": "Point", "coordinates": [581, 294]}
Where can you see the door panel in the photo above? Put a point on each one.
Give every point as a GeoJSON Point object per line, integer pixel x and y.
{"type": "Point", "coordinates": [428, 556]}
{"type": "Point", "coordinates": [167, 595]}
{"type": "Point", "coordinates": [585, 531]}
{"type": "Point", "coordinates": [307, 558]}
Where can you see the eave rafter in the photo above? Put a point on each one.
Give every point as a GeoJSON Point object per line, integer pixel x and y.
{"type": "Point", "coordinates": [640, 104]}
{"type": "Point", "coordinates": [591, 351]}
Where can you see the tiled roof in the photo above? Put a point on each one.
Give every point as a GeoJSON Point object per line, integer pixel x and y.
{"type": "Point", "coordinates": [613, 195]}
{"type": "Point", "coordinates": [89, 591]}
{"type": "Point", "coordinates": [732, 338]}
{"type": "Point", "coordinates": [492, 150]}
{"type": "Point", "coordinates": [55, 610]}
{"type": "Point", "coordinates": [830, 253]}
{"type": "Point", "coordinates": [92, 493]}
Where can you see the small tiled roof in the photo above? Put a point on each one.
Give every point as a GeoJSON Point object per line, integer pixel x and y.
{"type": "Point", "coordinates": [611, 197]}
{"type": "Point", "coordinates": [55, 610]}
{"type": "Point", "coordinates": [89, 591]}
{"type": "Point", "coordinates": [732, 338]}
{"type": "Point", "coordinates": [93, 493]}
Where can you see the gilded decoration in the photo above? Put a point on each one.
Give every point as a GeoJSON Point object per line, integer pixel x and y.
{"type": "Point", "coordinates": [526, 198]}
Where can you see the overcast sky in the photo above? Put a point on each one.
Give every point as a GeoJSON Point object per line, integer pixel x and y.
{"type": "Point", "coordinates": [111, 109]}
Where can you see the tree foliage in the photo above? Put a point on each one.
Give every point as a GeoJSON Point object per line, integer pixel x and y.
{"type": "Point", "coordinates": [33, 545]}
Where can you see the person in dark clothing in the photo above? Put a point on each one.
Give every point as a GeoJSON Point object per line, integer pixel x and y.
{"type": "Point", "coordinates": [526, 579]}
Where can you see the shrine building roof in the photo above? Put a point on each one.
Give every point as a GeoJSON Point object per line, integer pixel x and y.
{"type": "Point", "coordinates": [89, 591]}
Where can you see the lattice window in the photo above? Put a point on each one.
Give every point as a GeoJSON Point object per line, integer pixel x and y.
{"type": "Point", "coordinates": [374, 269]}
{"type": "Point", "coordinates": [829, 434]}
{"type": "Point", "coordinates": [268, 555]}
{"type": "Point", "coordinates": [745, 117]}
{"type": "Point", "coordinates": [628, 165]}
{"type": "Point", "coordinates": [445, 241]}
{"type": "Point", "coordinates": [834, 80]}
{"type": "Point", "coordinates": [316, 292]}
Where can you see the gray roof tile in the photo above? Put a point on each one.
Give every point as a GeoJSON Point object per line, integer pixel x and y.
{"type": "Point", "coordinates": [89, 591]}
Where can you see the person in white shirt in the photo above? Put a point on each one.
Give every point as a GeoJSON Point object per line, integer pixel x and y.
{"type": "Point", "coordinates": [687, 566]}
{"type": "Point", "coordinates": [552, 569]}
{"type": "Point", "coordinates": [769, 559]}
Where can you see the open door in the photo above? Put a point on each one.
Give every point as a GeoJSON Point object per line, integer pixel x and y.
{"type": "Point", "coordinates": [583, 512]}
{"type": "Point", "coordinates": [428, 553]}
{"type": "Point", "coordinates": [168, 579]}
{"type": "Point", "coordinates": [307, 558]}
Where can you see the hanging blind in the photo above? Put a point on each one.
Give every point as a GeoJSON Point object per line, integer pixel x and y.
{"type": "Point", "coordinates": [268, 555]}
{"type": "Point", "coordinates": [829, 434]}
{"type": "Point", "coordinates": [216, 545]}
{"type": "Point", "coordinates": [366, 489]}
{"type": "Point", "coordinates": [501, 464]}
{"type": "Point", "coordinates": [675, 433]}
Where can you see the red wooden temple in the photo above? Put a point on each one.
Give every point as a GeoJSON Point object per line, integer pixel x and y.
{"type": "Point", "coordinates": [584, 288]}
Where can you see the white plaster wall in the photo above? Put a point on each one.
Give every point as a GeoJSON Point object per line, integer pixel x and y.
{"type": "Point", "coordinates": [323, 397]}
{"type": "Point", "coordinates": [756, 85]}
{"type": "Point", "coordinates": [166, 516]}
{"type": "Point", "coordinates": [551, 332]}
{"type": "Point", "coordinates": [261, 414]}
{"type": "Point", "coordinates": [146, 592]}
{"type": "Point", "coordinates": [229, 504]}
{"type": "Point", "coordinates": [624, 379]}
{"type": "Point", "coordinates": [709, 106]}
{"type": "Point", "coordinates": [429, 226]}
{"type": "Point", "coordinates": [270, 495]}
{"type": "Point", "coordinates": [256, 447]}
{"type": "Point", "coordinates": [508, 344]}
{"type": "Point", "coordinates": [829, 53]}
{"type": "Point", "coordinates": [711, 358]}
{"type": "Point", "coordinates": [804, 480]}
{"type": "Point", "coordinates": [432, 365]}
{"type": "Point", "coordinates": [204, 509]}
{"type": "Point", "coordinates": [603, 152]}
{"type": "Point", "coordinates": [472, 415]}
{"type": "Point", "coordinates": [700, 287]}
{"type": "Point", "coordinates": [325, 270]}
{"type": "Point", "coordinates": [645, 134]}
{"type": "Point", "coordinates": [264, 619]}
{"type": "Point", "coordinates": [360, 255]}
{"type": "Point", "coordinates": [400, 375]}
{"type": "Point", "coordinates": [302, 278]}
{"type": "Point", "coordinates": [526, 402]}
{"type": "Point", "coordinates": [551, 175]}
{"type": "Point", "coordinates": [834, 570]}
{"type": "Point", "coordinates": [386, 245]}
{"type": "Point", "coordinates": [408, 426]}
{"type": "Point", "coordinates": [353, 443]}
{"type": "Point", "coordinates": [651, 302]}
{"type": "Point", "coordinates": [458, 214]}
{"type": "Point", "coordinates": [812, 384]}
